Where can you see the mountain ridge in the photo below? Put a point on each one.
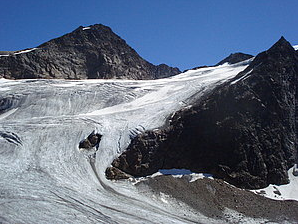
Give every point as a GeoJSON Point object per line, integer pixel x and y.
{"type": "Point", "coordinates": [87, 52]}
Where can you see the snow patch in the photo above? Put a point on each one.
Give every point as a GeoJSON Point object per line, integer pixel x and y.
{"type": "Point", "coordinates": [164, 197]}
{"type": "Point", "coordinates": [25, 51]}
{"type": "Point", "coordinates": [295, 47]}
{"type": "Point", "coordinates": [242, 78]}
{"type": "Point", "coordinates": [282, 192]}
{"type": "Point", "coordinates": [86, 28]}
{"type": "Point", "coordinates": [197, 176]}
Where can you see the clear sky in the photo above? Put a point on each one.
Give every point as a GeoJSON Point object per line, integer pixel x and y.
{"type": "Point", "coordinates": [182, 33]}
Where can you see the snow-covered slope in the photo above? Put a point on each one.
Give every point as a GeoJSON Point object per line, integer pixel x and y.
{"type": "Point", "coordinates": [45, 178]}
{"type": "Point", "coordinates": [283, 192]}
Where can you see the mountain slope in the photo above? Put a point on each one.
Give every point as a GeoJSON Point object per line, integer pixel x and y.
{"type": "Point", "coordinates": [86, 53]}
{"type": "Point", "coordinates": [244, 131]}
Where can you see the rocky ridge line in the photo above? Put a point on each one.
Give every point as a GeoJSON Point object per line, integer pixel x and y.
{"type": "Point", "coordinates": [86, 53]}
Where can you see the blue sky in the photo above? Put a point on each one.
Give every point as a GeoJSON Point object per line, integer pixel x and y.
{"type": "Point", "coordinates": [182, 33]}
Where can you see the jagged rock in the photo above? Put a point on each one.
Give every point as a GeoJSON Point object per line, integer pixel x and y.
{"type": "Point", "coordinates": [235, 58]}
{"type": "Point", "coordinates": [90, 53]}
{"type": "Point", "coordinates": [91, 141]}
{"type": "Point", "coordinates": [113, 173]}
{"type": "Point", "coordinates": [244, 131]}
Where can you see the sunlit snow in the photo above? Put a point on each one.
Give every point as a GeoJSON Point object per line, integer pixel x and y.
{"type": "Point", "coordinates": [45, 178]}
{"type": "Point", "coordinates": [18, 52]}
{"type": "Point", "coordinates": [25, 51]}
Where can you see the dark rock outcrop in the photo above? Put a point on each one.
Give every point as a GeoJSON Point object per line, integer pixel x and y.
{"type": "Point", "coordinates": [235, 58]}
{"type": "Point", "coordinates": [231, 59]}
{"type": "Point", "coordinates": [86, 53]}
{"type": "Point", "coordinates": [244, 131]}
{"type": "Point", "coordinates": [91, 141]}
{"type": "Point", "coordinates": [113, 173]}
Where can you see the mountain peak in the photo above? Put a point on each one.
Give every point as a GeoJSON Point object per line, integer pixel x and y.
{"type": "Point", "coordinates": [281, 45]}
{"type": "Point", "coordinates": [279, 51]}
{"type": "Point", "coordinates": [93, 28]}
{"type": "Point", "coordinates": [235, 58]}
{"type": "Point", "coordinates": [87, 52]}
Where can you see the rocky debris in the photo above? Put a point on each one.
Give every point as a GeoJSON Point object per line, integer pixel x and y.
{"type": "Point", "coordinates": [91, 141]}
{"type": "Point", "coordinates": [244, 131]}
{"type": "Point", "coordinates": [212, 197]}
{"type": "Point", "coordinates": [91, 53]}
{"type": "Point", "coordinates": [113, 173]}
{"type": "Point", "coordinates": [235, 58]}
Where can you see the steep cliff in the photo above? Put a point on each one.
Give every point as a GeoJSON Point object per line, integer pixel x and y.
{"type": "Point", "coordinates": [244, 131]}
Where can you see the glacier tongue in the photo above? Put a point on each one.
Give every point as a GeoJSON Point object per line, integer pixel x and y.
{"type": "Point", "coordinates": [45, 178]}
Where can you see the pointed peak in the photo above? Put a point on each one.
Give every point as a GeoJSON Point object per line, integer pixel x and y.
{"type": "Point", "coordinates": [281, 50]}
{"type": "Point", "coordinates": [281, 45]}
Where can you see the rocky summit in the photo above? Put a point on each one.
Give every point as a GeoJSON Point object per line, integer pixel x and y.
{"type": "Point", "coordinates": [235, 58]}
{"type": "Point", "coordinates": [244, 131]}
{"type": "Point", "coordinates": [86, 53]}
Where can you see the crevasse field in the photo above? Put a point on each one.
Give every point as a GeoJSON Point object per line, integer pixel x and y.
{"type": "Point", "coordinates": [46, 178]}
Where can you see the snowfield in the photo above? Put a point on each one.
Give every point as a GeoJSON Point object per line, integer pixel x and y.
{"type": "Point", "coordinates": [282, 192]}
{"type": "Point", "coordinates": [45, 178]}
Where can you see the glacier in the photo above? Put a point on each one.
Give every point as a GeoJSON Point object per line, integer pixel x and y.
{"type": "Point", "coordinates": [46, 178]}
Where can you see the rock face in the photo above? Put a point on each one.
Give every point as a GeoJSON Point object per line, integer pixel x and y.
{"type": "Point", "coordinates": [235, 58]}
{"type": "Point", "coordinates": [86, 53]}
{"type": "Point", "coordinates": [113, 173]}
{"type": "Point", "coordinates": [244, 131]}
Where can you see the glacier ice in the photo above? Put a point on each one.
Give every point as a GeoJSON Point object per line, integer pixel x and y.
{"type": "Point", "coordinates": [45, 178]}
